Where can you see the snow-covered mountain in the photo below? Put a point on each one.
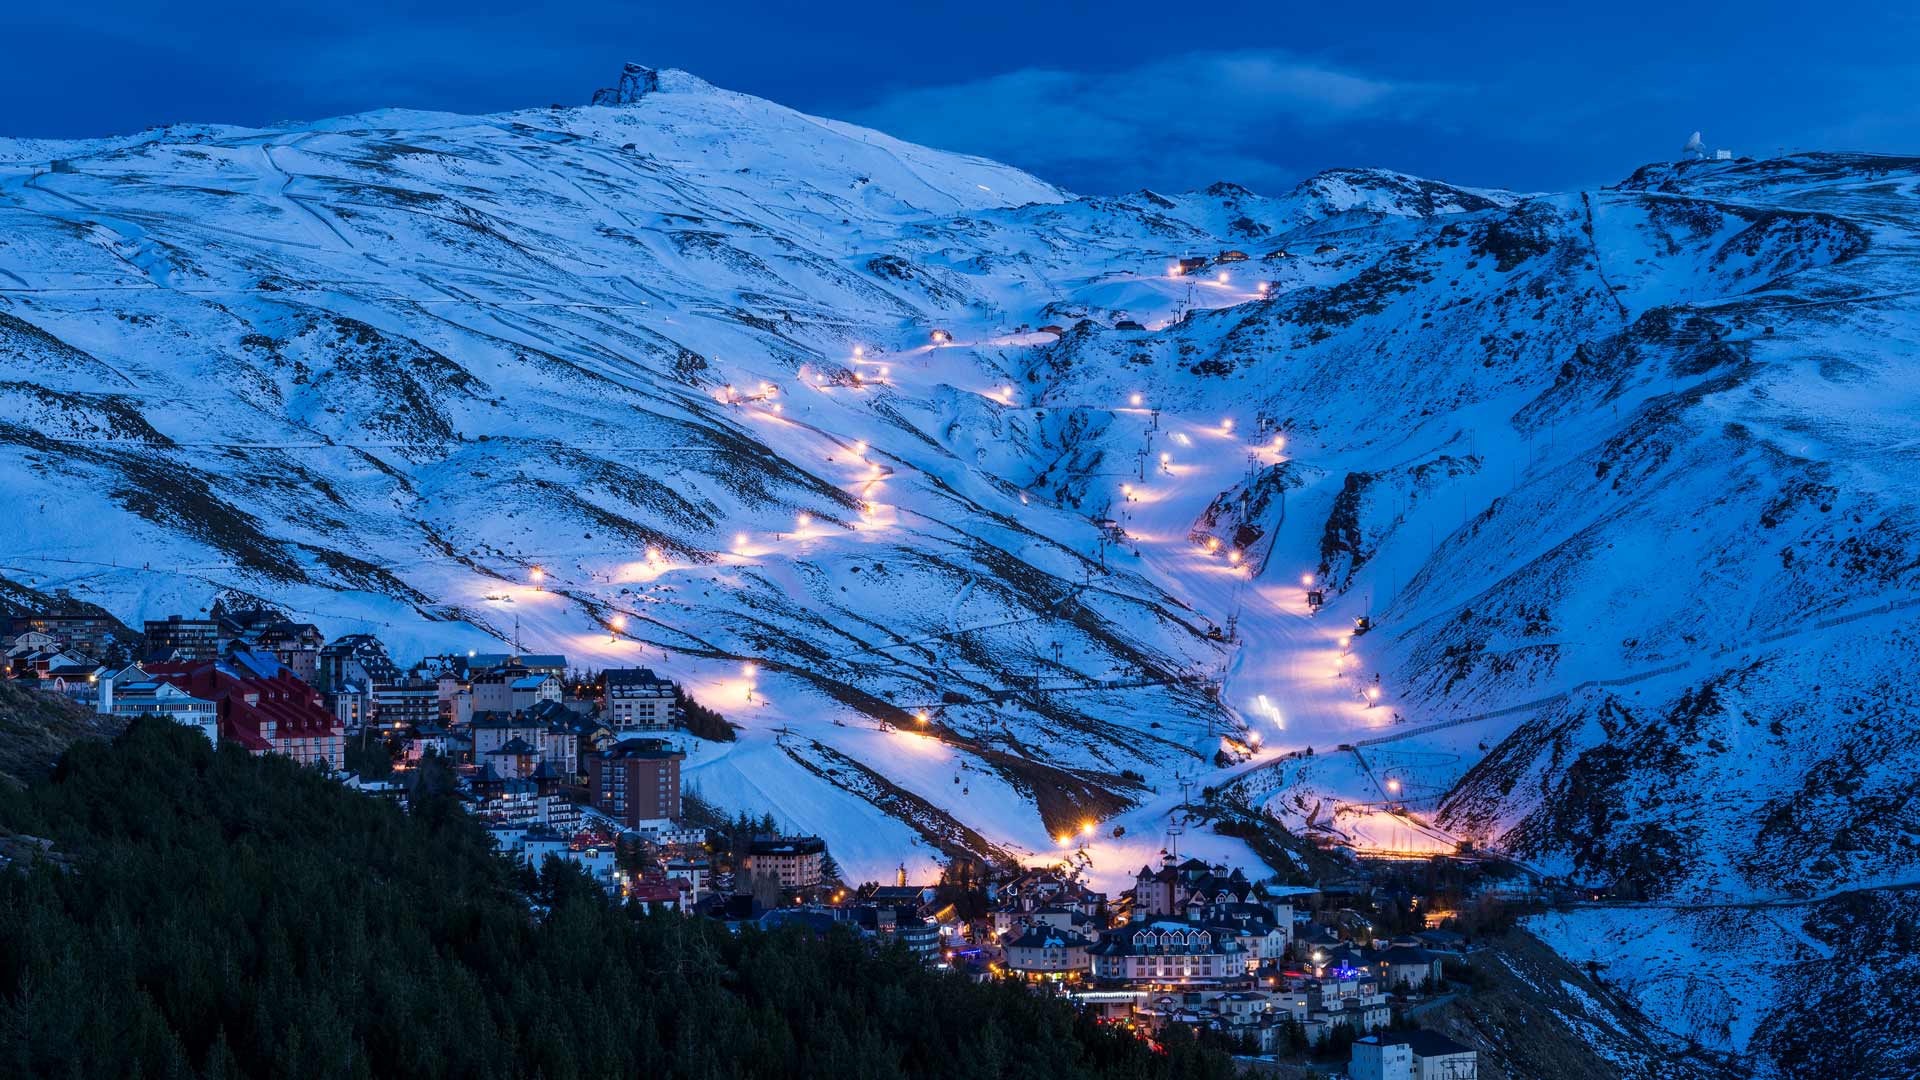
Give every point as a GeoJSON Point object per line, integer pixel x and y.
{"type": "Point", "coordinates": [1625, 480]}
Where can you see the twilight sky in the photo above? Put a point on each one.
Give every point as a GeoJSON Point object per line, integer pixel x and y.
{"type": "Point", "coordinates": [1098, 97]}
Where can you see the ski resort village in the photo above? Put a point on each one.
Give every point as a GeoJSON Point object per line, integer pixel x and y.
{"type": "Point", "coordinates": [1399, 629]}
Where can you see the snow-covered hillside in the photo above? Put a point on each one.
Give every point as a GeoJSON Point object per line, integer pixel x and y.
{"type": "Point", "coordinates": [1625, 479]}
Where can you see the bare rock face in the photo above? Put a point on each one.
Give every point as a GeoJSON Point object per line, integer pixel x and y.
{"type": "Point", "coordinates": [636, 82]}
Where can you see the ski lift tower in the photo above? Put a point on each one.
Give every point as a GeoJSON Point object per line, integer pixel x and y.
{"type": "Point", "coordinates": [1177, 820]}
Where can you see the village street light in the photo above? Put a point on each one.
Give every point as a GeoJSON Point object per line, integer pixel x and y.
{"type": "Point", "coordinates": [537, 575]}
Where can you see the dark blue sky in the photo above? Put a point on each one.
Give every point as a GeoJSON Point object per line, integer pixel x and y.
{"type": "Point", "coordinates": [1094, 96]}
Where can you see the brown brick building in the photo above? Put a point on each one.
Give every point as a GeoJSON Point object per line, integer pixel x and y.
{"type": "Point", "coordinates": [636, 781]}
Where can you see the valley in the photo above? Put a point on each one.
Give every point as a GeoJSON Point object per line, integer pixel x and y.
{"type": "Point", "coordinates": [987, 518]}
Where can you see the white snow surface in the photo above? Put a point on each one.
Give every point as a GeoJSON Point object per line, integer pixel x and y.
{"type": "Point", "coordinates": [1606, 468]}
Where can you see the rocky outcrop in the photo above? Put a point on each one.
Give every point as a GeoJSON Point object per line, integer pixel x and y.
{"type": "Point", "coordinates": [636, 82]}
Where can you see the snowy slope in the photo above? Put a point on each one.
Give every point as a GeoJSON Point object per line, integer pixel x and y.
{"type": "Point", "coordinates": [1626, 477]}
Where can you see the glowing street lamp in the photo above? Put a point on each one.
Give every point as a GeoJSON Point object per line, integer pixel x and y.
{"type": "Point", "coordinates": [1227, 424]}
{"type": "Point", "coordinates": [804, 521]}
{"type": "Point", "coordinates": [739, 540]}
{"type": "Point", "coordinates": [1234, 556]}
{"type": "Point", "coordinates": [1087, 829]}
{"type": "Point", "coordinates": [1135, 400]}
{"type": "Point", "coordinates": [1306, 579]}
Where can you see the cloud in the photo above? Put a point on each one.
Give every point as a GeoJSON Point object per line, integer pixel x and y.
{"type": "Point", "coordinates": [1185, 120]}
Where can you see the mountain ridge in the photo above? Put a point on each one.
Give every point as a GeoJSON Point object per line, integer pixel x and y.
{"type": "Point", "coordinates": [680, 356]}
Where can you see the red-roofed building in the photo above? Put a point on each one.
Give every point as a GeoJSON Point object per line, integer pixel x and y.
{"type": "Point", "coordinates": [262, 706]}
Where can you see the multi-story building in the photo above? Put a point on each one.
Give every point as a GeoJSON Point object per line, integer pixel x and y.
{"type": "Point", "coordinates": [1048, 952]}
{"type": "Point", "coordinates": [1263, 937]}
{"type": "Point", "coordinates": [262, 706]}
{"type": "Point", "coordinates": [635, 699]}
{"type": "Point", "coordinates": [131, 692]}
{"type": "Point", "coordinates": [511, 688]}
{"type": "Point", "coordinates": [356, 659]}
{"type": "Point", "coordinates": [1167, 953]}
{"type": "Point", "coordinates": [93, 636]}
{"type": "Point", "coordinates": [696, 872]}
{"type": "Point", "coordinates": [1412, 1055]}
{"type": "Point", "coordinates": [793, 862]}
{"type": "Point", "coordinates": [176, 639]}
{"type": "Point", "coordinates": [410, 701]}
{"type": "Point", "coordinates": [297, 645]}
{"type": "Point", "coordinates": [637, 782]}
{"type": "Point", "coordinates": [492, 730]}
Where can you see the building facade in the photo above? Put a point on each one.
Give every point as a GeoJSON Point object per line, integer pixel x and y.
{"type": "Point", "coordinates": [635, 782]}
{"type": "Point", "coordinates": [635, 699]}
{"type": "Point", "coordinates": [794, 862]}
{"type": "Point", "coordinates": [175, 638]}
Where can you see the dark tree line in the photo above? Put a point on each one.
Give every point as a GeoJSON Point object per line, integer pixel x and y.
{"type": "Point", "coordinates": [217, 915]}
